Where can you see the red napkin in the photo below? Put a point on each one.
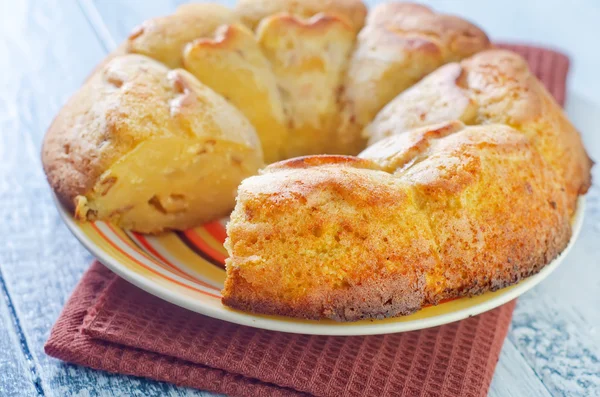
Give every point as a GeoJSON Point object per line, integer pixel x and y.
{"type": "Point", "coordinates": [111, 325]}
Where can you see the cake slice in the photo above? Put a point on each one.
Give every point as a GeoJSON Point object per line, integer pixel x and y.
{"type": "Point", "coordinates": [400, 44]}
{"type": "Point", "coordinates": [436, 213]}
{"type": "Point", "coordinates": [308, 58]}
{"type": "Point", "coordinates": [148, 148]}
{"type": "Point", "coordinates": [233, 65]}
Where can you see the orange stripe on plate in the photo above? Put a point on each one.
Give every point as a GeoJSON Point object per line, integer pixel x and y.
{"type": "Point", "coordinates": [112, 244]}
{"type": "Point", "coordinates": [203, 246]}
{"type": "Point", "coordinates": [142, 240]}
{"type": "Point", "coordinates": [167, 266]}
{"type": "Point", "coordinates": [216, 230]}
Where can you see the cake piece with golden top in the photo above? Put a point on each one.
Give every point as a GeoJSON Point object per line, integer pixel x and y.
{"type": "Point", "coordinates": [164, 38]}
{"type": "Point", "coordinates": [440, 212]}
{"type": "Point", "coordinates": [400, 44]}
{"type": "Point", "coordinates": [308, 58]}
{"type": "Point", "coordinates": [494, 86]}
{"type": "Point", "coordinates": [134, 144]}
{"type": "Point", "coordinates": [233, 65]}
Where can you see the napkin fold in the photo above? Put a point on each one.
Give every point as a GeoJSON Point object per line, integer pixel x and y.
{"type": "Point", "coordinates": [109, 324]}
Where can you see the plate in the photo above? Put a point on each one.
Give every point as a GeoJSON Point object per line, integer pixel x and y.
{"type": "Point", "coordinates": [187, 269]}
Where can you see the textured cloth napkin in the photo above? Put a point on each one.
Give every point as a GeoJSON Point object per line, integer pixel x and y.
{"type": "Point", "coordinates": [111, 325]}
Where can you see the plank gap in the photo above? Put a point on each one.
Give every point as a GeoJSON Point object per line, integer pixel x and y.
{"type": "Point", "coordinates": [31, 363]}
{"type": "Point", "coordinates": [89, 10]}
{"type": "Point", "coordinates": [508, 341]}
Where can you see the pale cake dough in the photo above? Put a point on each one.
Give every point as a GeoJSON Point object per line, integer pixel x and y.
{"type": "Point", "coordinates": [133, 145]}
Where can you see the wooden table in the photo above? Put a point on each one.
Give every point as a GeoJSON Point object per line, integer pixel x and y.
{"type": "Point", "coordinates": [47, 48]}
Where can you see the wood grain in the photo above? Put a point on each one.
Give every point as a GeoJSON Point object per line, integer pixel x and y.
{"type": "Point", "coordinates": [17, 374]}
{"type": "Point", "coordinates": [514, 377]}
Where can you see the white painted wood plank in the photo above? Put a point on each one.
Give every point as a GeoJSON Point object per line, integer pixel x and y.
{"type": "Point", "coordinates": [17, 377]}
{"type": "Point", "coordinates": [514, 378]}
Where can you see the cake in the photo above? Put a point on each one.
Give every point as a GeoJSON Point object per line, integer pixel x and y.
{"type": "Point", "coordinates": [436, 213]}
{"type": "Point", "coordinates": [410, 162]}
{"type": "Point", "coordinates": [135, 142]}
{"type": "Point", "coordinates": [494, 86]}
{"type": "Point", "coordinates": [284, 78]}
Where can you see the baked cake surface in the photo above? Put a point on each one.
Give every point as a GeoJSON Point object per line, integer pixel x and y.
{"type": "Point", "coordinates": [468, 183]}
{"type": "Point", "coordinates": [135, 142]}
{"type": "Point", "coordinates": [436, 213]}
{"type": "Point", "coordinates": [287, 71]}
{"type": "Point", "coordinates": [494, 86]}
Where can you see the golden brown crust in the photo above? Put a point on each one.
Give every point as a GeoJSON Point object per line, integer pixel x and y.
{"type": "Point", "coordinates": [494, 86]}
{"type": "Point", "coordinates": [252, 12]}
{"type": "Point", "coordinates": [81, 142]}
{"type": "Point", "coordinates": [437, 213]}
{"type": "Point", "coordinates": [322, 159]}
{"type": "Point", "coordinates": [400, 44]}
{"type": "Point", "coordinates": [500, 207]}
{"type": "Point", "coordinates": [371, 299]}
